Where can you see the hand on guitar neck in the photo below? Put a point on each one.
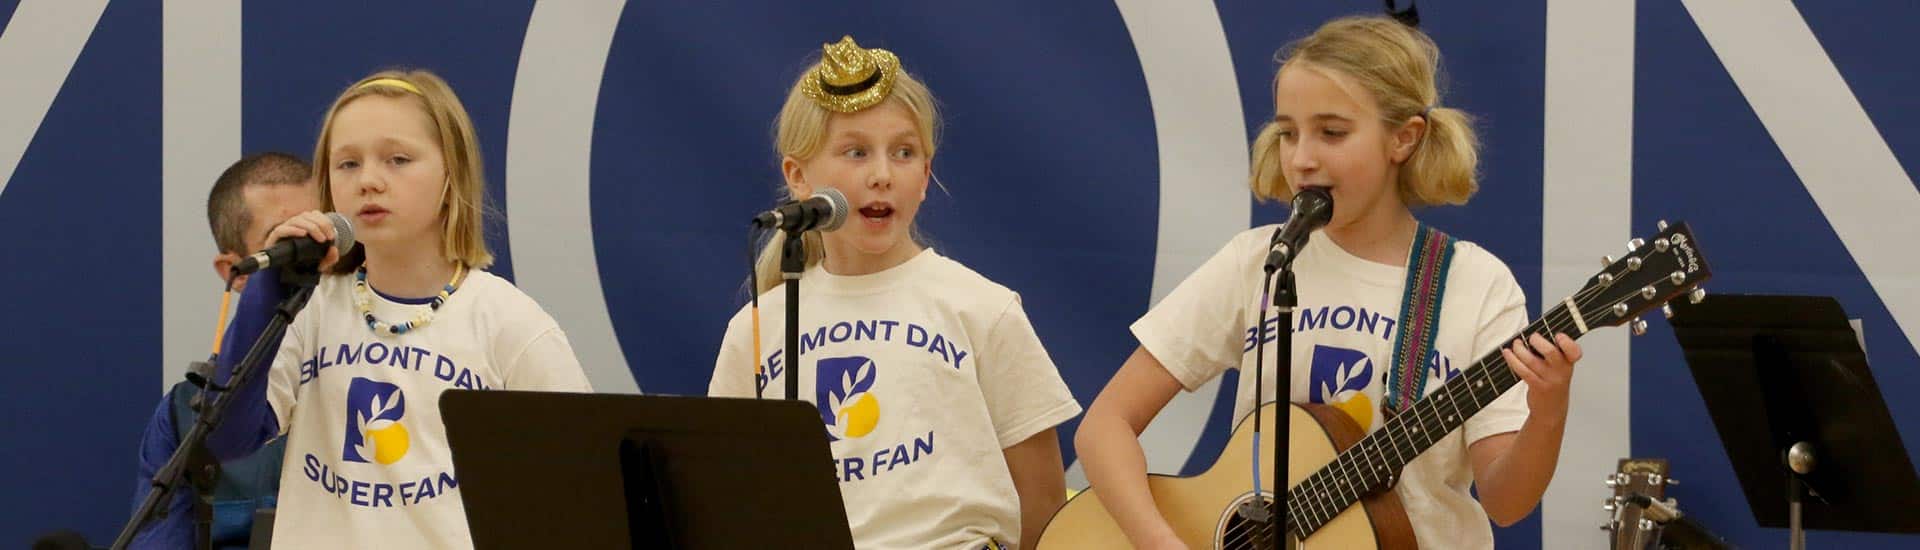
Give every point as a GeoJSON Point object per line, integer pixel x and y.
{"type": "Point", "coordinates": [1511, 470]}
{"type": "Point", "coordinates": [1546, 366]}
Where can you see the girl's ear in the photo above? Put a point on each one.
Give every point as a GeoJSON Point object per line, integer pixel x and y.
{"type": "Point", "coordinates": [1406, 138]}
{"type": "Point", "coordinates": [797, 186]}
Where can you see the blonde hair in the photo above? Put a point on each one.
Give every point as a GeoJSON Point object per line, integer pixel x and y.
{"type": "Point", "coordinates": [800, 133]}
{"type": "Point", "coordinates": [1398, 65]}
{"type": "Point", "coordinates": [464, 198]}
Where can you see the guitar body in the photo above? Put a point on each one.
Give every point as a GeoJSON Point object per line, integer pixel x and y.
{"type": "Point", "coordinates": [1201, 508]}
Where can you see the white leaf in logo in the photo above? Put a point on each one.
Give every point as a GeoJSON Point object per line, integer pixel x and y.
{"type": "Point", "coordinates": [862, 373]}
{"type": "Point", "coordinates": [384, 404]}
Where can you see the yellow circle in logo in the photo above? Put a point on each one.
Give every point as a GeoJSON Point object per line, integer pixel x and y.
{"type": "Point", "coordinates": [389, 443]}
{"type": "Point", "coordinates": [1359, 408]}
{"type": "Point", "coordinates": [858, 417]}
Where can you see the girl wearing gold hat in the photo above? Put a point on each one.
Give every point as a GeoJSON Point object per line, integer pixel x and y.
{"type": "Point", "coordinates": [937, 396]}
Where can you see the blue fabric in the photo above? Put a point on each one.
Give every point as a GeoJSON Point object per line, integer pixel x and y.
{"type": "Point", "coordinates": [175, 530]}
{"type": "Point", "coordinates": [250, 421]}
{"type": "Point", "coordinates": [245, 484]}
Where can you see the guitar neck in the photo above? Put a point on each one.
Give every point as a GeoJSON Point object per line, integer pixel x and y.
{"type": "Point", "coordinates": [1375, 462]}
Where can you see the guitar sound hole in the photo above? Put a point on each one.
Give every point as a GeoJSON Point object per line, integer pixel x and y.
{"type": "Point", "coordinates": [1246, 524]}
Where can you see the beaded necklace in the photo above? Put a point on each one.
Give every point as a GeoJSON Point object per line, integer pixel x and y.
{"type": "Point", "coordinates": [363, 297]}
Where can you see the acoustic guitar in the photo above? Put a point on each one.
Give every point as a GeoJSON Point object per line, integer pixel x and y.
{"type": "Point", "coordinates": [1340, 479]}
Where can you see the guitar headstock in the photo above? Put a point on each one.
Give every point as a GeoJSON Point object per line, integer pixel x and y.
{"type": "Point", "coordinates": [1651, 273]}
{"type": "Point", "coordinates": [1636, 476]}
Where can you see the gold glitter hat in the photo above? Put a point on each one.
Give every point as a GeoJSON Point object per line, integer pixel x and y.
{"type": "Point", "coordinates": [850, 78]}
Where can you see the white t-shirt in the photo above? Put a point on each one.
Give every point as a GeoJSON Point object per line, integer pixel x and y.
{"type": "Point", "coordinates": [1343, 336]}
{"type": "Point", "coordinates": [923, 374]}
{"type": "Point", "coordinates": [367, 459]}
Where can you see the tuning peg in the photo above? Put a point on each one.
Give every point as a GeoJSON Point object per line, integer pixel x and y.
{"type": "Point", "coordinates": [1633, 264]}
{"type": "Point", "coordinates": [1677, 277]}
{"type": "Point", "coordinates": [1662, 224]}
{"type": "Point", "coordinates": [1635, 244]}
{"type": "Point", "coordinates": [1647, 292]}
{"type": "Point", "coordinates": [1612, 482]}
{"type": "Point", "coordinates": [1698, 295]}
{"type": "Point", "coordinates": [1638, 326]}
{"type": "Point", "coordinates": [1672, 481]}
{"type": "Point", "coordinates": [1661, 244]}
{"type": "Point", "coordinates": [1608, 526]}
{"type": "Point", "coordinates": [1606, 279]}
{"type": "Point", "coordinates": [1653, 479]}
{"type": "Point", "coordinates": [1646, 524]}
{"type": "Point", "coordinates": [1667, 310]}
{"type": "Point", "coordinates": [1606, 261]}
{"type": "Point", "coordinates": [1620, 310]}
{"type": "Point", "coordinates": [1608, 507]}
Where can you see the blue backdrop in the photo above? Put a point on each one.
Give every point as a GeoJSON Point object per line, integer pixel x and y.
{"type": "Point", "coordinates": [1051, 186]}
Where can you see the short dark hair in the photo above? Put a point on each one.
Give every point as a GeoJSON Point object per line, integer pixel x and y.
{"type": "Point", "coordinates": [227, 213]}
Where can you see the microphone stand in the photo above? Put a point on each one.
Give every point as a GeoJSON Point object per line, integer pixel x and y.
{"type": "Point", "coordinates": [793, 261]}
{"type": "Point", "coordinates": [1284, 298]}
{"type": "Point", "coordinates": [168, 478]}
{"type": "Point", "coordinates": [1312, 207]}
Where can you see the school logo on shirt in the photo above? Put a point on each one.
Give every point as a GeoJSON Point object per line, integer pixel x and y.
{"type": "Point", "coordinates": [374, 431]}
{"type": "Point", "coordinates": [844, 394]}
{"type": "Point", "coordinates": [1339, 377]}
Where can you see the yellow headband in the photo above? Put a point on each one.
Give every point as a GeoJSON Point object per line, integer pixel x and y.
{"type": "Point", "coordinates": [394, 82]}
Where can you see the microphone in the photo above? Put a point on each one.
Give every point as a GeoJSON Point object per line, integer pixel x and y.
{"type": "Point", "coordinates": [826, 210]}
{"type": "Point", "coordinates": [300, 251]}
{"type": "Point", "coordinates": [1312, 209]}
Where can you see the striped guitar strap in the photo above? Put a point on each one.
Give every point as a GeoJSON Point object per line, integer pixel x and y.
{"type": "Point", "coordinates": [1419, 317]}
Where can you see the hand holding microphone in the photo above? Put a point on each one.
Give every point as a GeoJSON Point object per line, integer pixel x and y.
{"type": "Point", "coordinates": [302, 240]}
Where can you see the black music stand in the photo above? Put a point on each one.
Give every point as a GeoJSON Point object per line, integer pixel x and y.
{"type": "Point", "coordinates": [568, 470]}
{"type": "Point", "coordinates": [1799, 414]}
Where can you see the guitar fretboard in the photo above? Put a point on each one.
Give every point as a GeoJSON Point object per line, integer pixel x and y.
{"type": "Point", "coordinates": [1376, 460]}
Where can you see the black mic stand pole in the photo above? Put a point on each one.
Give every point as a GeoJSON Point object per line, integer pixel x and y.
{"type": "Point", "coordinates": [1285, 298]}
{"type": "Point", "coordinates": [793, 261]}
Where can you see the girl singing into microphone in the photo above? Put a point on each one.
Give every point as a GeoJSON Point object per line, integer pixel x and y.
{"type": "Point", "coordinates": [937, 397]}
{"type": "Point", "coordinates": [1356, 113]}
{"type": "Point", "coordinates": [407, 314]}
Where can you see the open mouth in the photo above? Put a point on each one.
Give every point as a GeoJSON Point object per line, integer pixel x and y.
{"type": "Point", "coordinates": [876, 212]}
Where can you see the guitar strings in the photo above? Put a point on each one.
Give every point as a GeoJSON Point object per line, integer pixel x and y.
{"type": "Point", "coordinates": [1320, 481]}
